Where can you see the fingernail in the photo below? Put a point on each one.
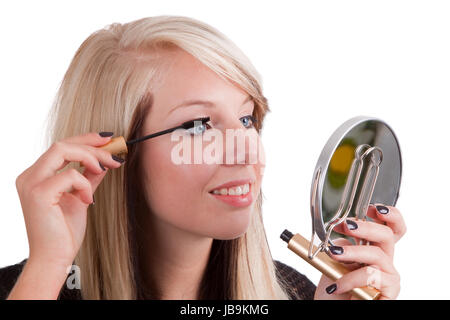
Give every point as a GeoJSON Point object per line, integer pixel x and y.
{"type": "Point", "coordinates": [382, 209]}
{"type": "Point", "coordinates": [331, 288]}
{"type": "Point", "coordinates": [118, 159]}
{"type": "Point", "coordinates": [336, 250]}
{"type": "Point", "coordinates": [101, 166]}
{"type": "Point", "coordinates": [351, 224]}
{"type": "Point", "coordinates": [105, 134]}
{"type": "Point", "coordinates": [93, 200]}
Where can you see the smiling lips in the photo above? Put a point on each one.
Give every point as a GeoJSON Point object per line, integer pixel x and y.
{"type": "Point", "coordinates": [235, 193]}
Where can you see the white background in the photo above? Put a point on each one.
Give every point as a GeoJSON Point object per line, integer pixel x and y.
{"type": "Point", "coordinates": [322, 62]}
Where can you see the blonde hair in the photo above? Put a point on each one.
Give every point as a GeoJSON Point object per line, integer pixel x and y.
{"type": "Point", "coordinates": [108, 87]}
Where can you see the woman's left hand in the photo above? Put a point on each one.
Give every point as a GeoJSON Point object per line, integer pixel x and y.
{"type": "Point", "coordinates": [383, 232]}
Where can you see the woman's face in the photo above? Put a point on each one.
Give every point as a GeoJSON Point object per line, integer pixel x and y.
{"type": "Point", "coordinates": [182, 195]}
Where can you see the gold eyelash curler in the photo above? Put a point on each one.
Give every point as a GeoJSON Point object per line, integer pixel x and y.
{"type": "Point", "coordinates": [344, 184]}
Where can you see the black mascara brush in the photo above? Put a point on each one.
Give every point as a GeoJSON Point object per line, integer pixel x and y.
{"type": "Point", "coordinates": [118, 145]}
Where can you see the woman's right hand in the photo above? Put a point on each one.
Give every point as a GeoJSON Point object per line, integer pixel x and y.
{"type": "Point", "coordinates": [55, 204]}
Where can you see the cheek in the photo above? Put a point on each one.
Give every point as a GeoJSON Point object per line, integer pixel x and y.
{"type": "Point", "coordinates": [260, 164]}
{"type": "Point", "coordinates": [175, 193]}
{"type": "Point", "coordinates": [178, 195]}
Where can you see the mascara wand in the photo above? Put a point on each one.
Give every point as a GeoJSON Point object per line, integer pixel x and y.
{"type": "Point", "coordinates": [118, 145]}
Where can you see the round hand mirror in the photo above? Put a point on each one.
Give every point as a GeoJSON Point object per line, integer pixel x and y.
{"type": "Point", "coordinates": [360, 165]}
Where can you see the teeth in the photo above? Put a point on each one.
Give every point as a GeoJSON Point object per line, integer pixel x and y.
{"type": "Point", "coordinates": [235, 191]}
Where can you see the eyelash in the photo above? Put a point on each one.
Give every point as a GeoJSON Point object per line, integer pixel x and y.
{"type": "Point", "coordinates": [252, 118]}
{"type": "Point", "coordinates": [208, 126]}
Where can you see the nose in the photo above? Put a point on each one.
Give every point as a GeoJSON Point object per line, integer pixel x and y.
{"type": "Point", "coordinates": [241, 145]}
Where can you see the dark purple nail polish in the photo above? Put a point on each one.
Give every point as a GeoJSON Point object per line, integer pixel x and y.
{"type": "Point", "coordinates": [331, 288]}
{"type": "Point", "coordinates": [118, 159]}
{"type": "Point", "coordinates": [336, 250]}
{"type": "Point", "coordinates": [352, 225]}
{"type": "Point", "coordinates": [101, 166]}
{"type": "Point", "coordinates": [382, 209]}
{"type": "Point", "coordinates": [105, 134]}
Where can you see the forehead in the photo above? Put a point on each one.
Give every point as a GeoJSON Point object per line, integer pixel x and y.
{"type": "Point", "coordinates": [186, 78]}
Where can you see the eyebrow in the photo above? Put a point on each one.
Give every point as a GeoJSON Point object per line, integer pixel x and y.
{"type": "Point", "coordinates": [205, 103]}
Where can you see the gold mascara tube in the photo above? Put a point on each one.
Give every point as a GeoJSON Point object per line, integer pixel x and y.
{"type": "Point", "coordinates": [325, 264]}
{"type": "Point", "coordinates": [116, 146]}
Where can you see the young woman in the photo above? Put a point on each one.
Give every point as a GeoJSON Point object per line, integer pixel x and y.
{"type": "Point", "coordinates": [160, 229]}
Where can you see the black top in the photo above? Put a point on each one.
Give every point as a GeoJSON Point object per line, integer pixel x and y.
{"type": "Point", "coordinates": [299, 286]}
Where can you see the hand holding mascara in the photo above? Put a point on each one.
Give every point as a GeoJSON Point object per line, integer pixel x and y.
{"type": "Point", "coordinates": [55, 201]}
{"type": "Point", "coordinates": [55, 204]}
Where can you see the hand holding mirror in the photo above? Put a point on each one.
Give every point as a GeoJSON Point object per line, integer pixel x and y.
{"type": "Point", "coordinates": [360, 165]}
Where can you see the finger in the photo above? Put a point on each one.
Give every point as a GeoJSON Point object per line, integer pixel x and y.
{"type": "Point", "coordinates": [371, 231]}
{"type": "Point", "coordinates": [371, 255]}
{"type": "Point", "coordinates": [373, 217]}
{"type": "Point", "coordinates": [69, 180]}
{"type": "Point", "coordinates": [325, 285]}
{"type": "Point", "coordinates": [91, 139]}
{"type": "Point", "coordinates": [344, 242]}
{"type": "Point", "coordinates": [94, 178]}
{"type": "Point", "coordinates": [61, 153]}
{"type": "Point", "coordinates": [107, 159]}
{"type": "Point", "coordinates": [391, 216]}
{"type": "Point", "coordinates": [387, 284]}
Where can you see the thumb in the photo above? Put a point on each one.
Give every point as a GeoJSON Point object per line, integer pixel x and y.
{"type": "Point", "coordinates": [346, 242]}
{"type": "Point", "coordinates": [342, 242]}
{"type": "Point", "coordinates": [94, 178]}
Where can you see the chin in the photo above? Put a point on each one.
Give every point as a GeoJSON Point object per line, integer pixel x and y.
{"type": "Point", "coordinates": [230, 233]}
{"type": "Point", "coordinates": [230, 236]}
{"type": "Point", "coordinates": [234, 226]}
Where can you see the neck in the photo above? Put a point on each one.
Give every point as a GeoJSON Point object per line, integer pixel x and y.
{"type": "Point", "coordinates": [173, 261]}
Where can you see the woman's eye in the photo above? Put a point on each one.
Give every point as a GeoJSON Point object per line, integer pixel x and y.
{"type": "Point", "coordinates": [248, 121]}
{"type": "Point", "coordinates": [199, 128]}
